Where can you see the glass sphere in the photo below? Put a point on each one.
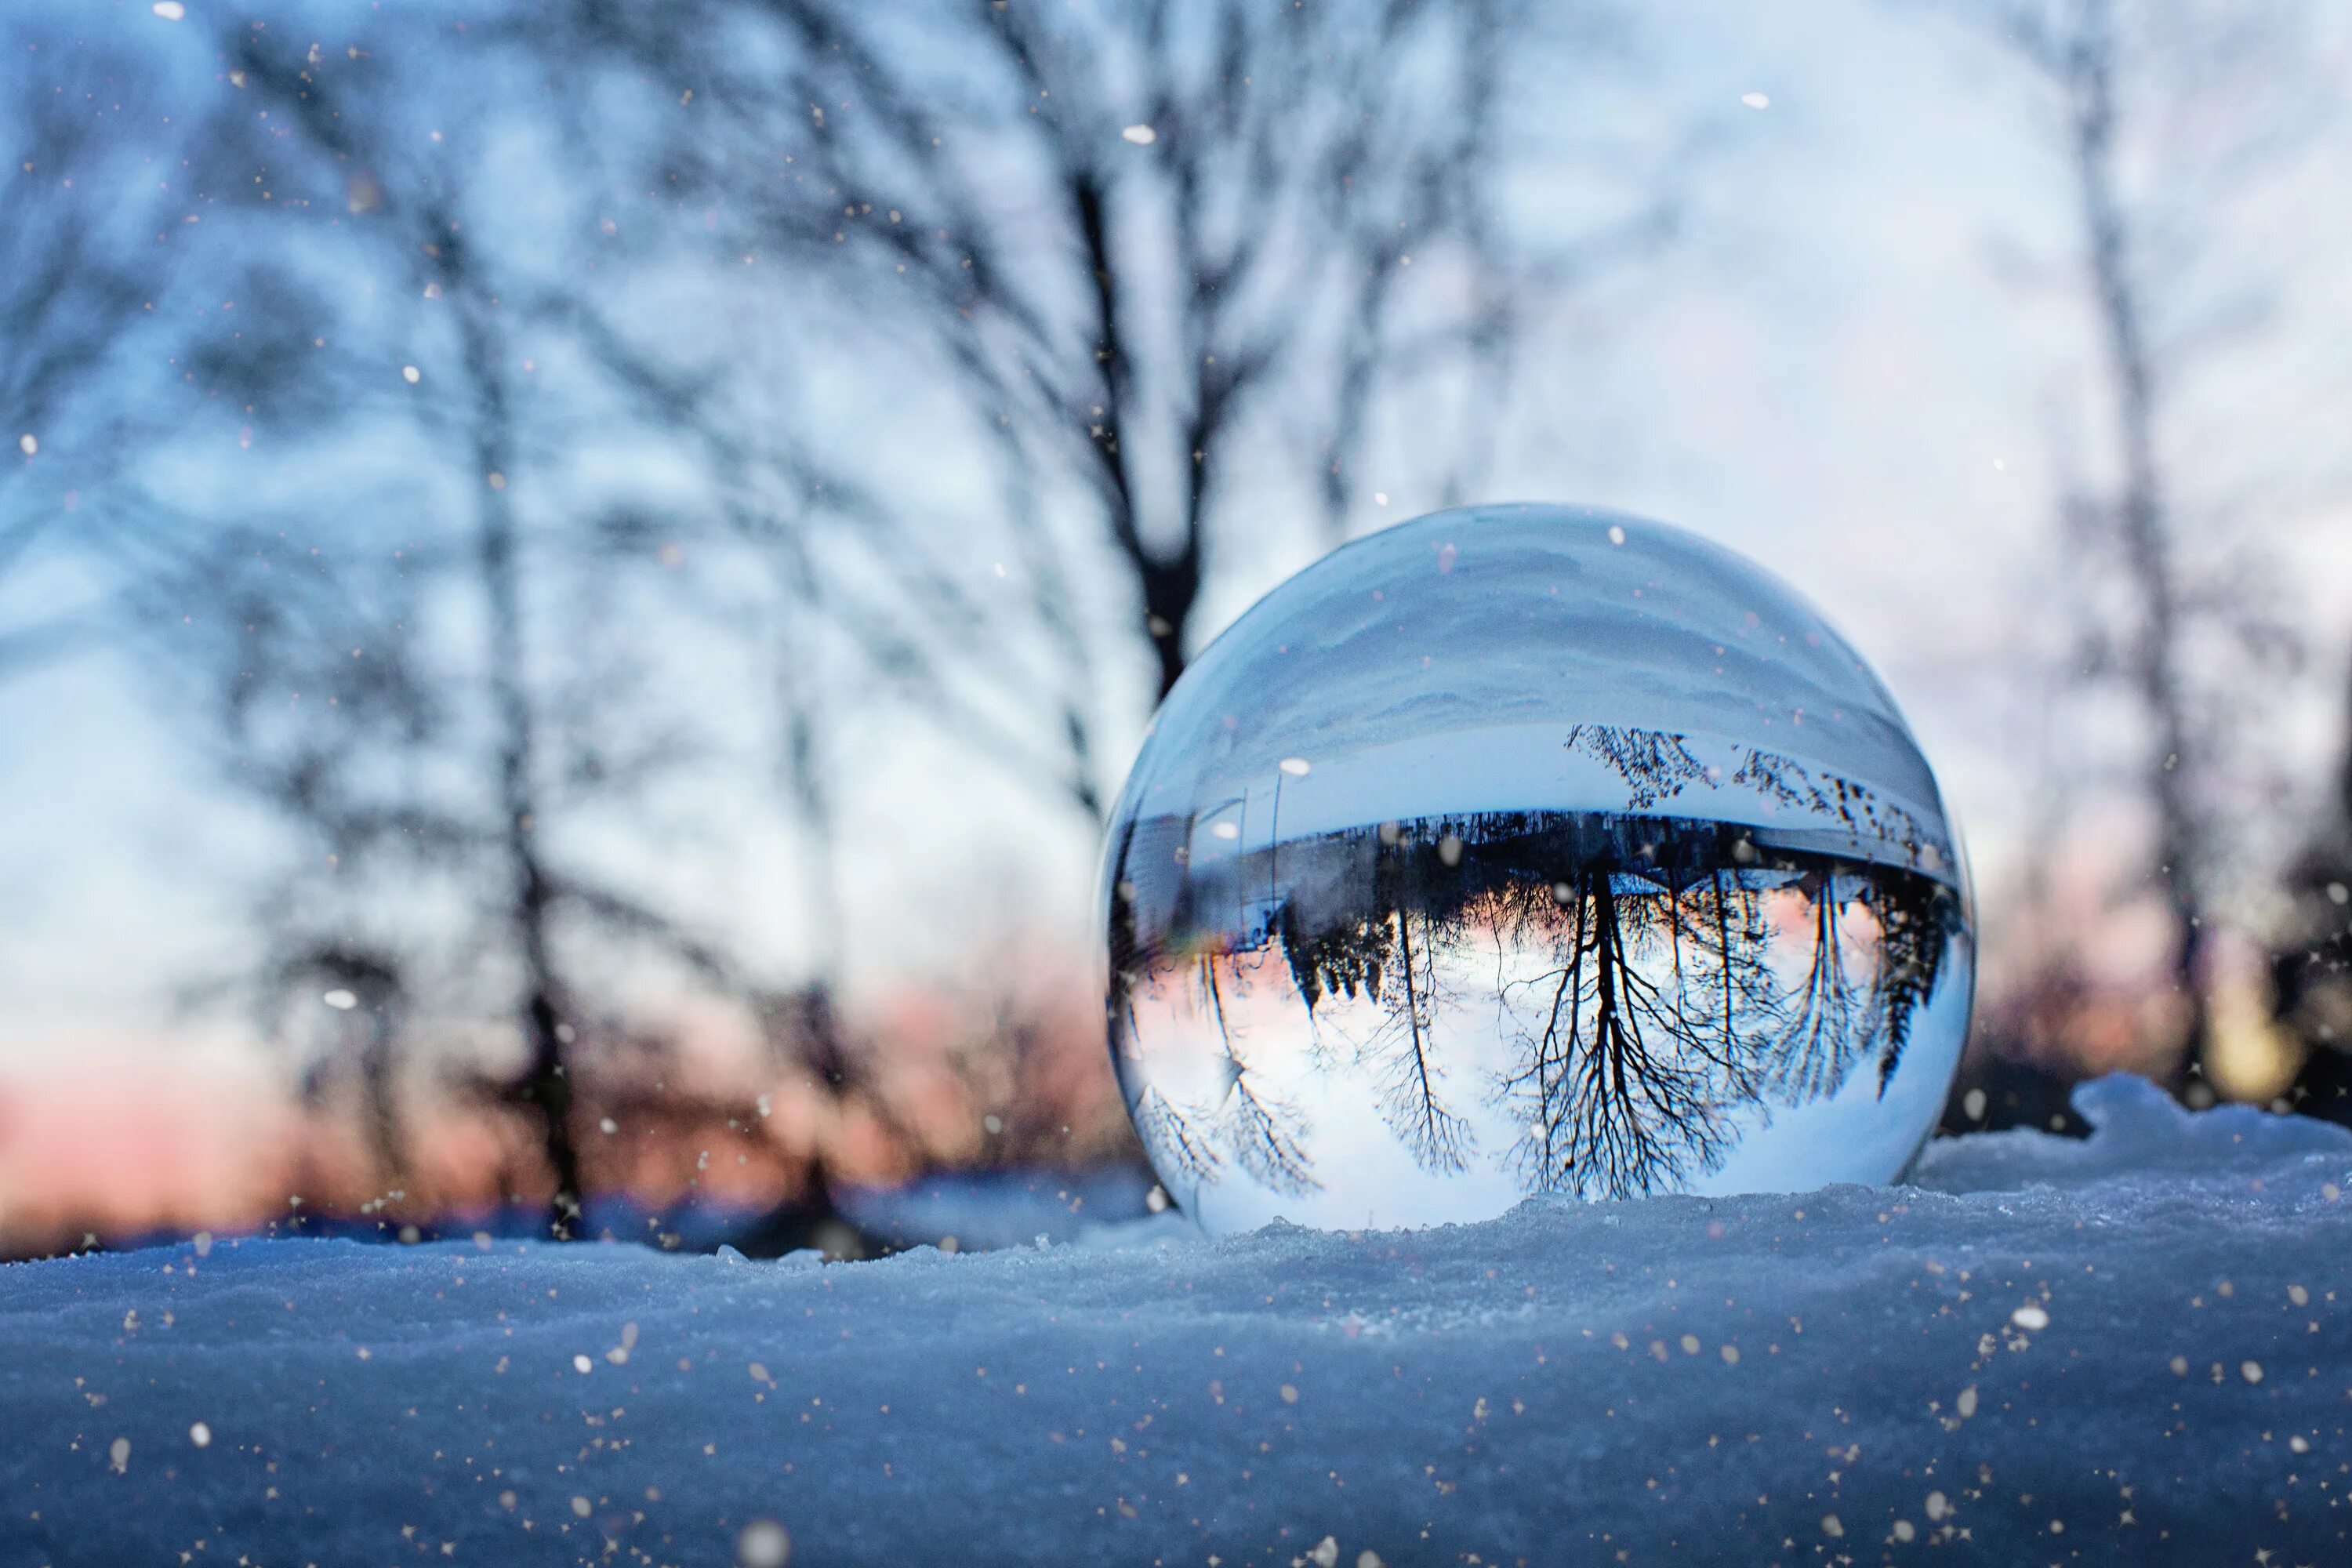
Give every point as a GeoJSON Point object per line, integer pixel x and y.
{"type": "Point", "coordinates": [1528, 849]}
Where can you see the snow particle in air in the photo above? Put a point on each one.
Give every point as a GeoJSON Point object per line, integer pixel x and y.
{"type": "Point", "coordinates": [411, 375]}
{"type": "Point", "coordinates": [1290, 1392]}
{"type": "Point", "coordinates": [2030, 1317]}
{"type": "Point", "coordinates": [1616, 534]}
{"type": "Point", "coordinates": [581, 1505]}
{"type": "Point", "coordinates": [1296, 767]}
{"type": "Point", "coordinates": [118, 1455]}
{"type": "Point", "coordinates": [28, 443]}
{"type": "Point", "coordinates": [1141, 135]}
{"type": "Point", "coordinates": [764, 1544]}
{"type": "Point", "coordinates": [341, 1000]}
{"type": "Point", "coordinates": [2251, 1371]}
{"type": "Point", "coordinates": [169, 10]}
{"type": "Point", "coordinates": [1757, 99]}
{"type": "Point", "coordinates": [582, 1364]}
{"type": "Point", "coordinates": [1831, 1527]}
{"type": "Point", "coordinates": [200, 1436]}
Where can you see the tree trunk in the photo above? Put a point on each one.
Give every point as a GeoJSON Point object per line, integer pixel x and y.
{"type": "Point", "coordinates": [2142, 520]}
{"type": "Point", "coordinates": [545, 1083]}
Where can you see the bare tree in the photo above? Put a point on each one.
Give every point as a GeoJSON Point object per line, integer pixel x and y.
{"type": "Point", "coordinates": [1153, 248]}
{"type": "Point", "coordinates": [437, 778]}
{"type": "Point", "coordinates": [434, 787]}
{"type": "Point", "coordinates": [2164, 115]}
{"type": "Point", "coordinates": [1626, 1084]}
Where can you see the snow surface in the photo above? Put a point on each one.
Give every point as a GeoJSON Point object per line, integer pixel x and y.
{"type": "Point", "coordinates": [2128, 1349]}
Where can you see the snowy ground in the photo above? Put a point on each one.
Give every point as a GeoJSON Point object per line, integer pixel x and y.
{"type": "Point", "coordinates": [2134, 1349]}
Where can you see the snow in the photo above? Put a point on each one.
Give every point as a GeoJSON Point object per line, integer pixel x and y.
{"type": "Point", "coordinates": [990, 1209]}
{"type": "Point", "coordinates": [1438, 667]}
{"type": "Point", "coordinates": [2128, 1349]}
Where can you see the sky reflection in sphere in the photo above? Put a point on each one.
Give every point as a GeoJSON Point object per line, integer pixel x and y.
{"type": "Point", "coordinates": [1528, 849]}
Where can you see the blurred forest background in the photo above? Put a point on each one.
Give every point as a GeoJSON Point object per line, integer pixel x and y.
{"type": "Point", "coordinates": [576, 576]}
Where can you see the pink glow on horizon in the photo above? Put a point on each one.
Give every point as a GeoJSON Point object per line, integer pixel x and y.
{"type": "Point", "coordinates": [116, 1139]}
{"type": "Point", "coordinates": [121, 1140]}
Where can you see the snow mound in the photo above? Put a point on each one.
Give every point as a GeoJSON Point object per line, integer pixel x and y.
{"type": "Point", "coordinates": [2133, 1349]}
{"type": "Point", "coordinates": [993, 1209]}
{"type": "Point", "coordinates": [2142, 1132]}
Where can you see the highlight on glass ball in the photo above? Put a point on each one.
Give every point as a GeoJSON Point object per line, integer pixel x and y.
{"type": "Point", "coordinates": [1524, 850]}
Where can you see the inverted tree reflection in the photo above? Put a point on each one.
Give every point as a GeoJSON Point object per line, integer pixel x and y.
{"type": "Point", "coordinates": [1192, 1137]}
{"type": "Point", "coordinates": [1657, 986]}
{"type": "Point", "coordinates": [1390, 955]}
{"type": "Point", "coordinates": [1630, 1048]}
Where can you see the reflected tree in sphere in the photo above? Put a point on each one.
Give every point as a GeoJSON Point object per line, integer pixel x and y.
{"type": "Point", "coordinates": [1524, 850]}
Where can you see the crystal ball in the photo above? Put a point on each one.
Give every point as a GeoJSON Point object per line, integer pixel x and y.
{"type": "Point", "coordinates": [1525, 850]}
